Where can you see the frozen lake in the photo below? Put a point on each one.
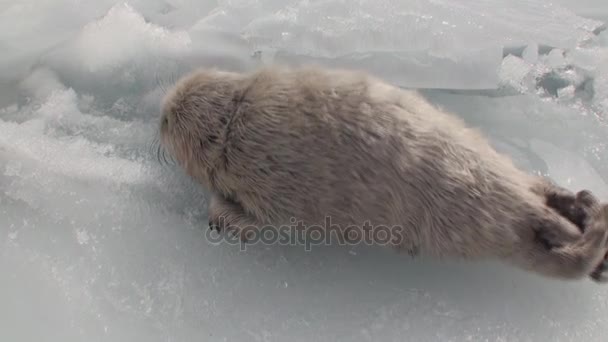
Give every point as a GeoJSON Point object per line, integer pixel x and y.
{"type": "Point", "coordinates": [100, 242]}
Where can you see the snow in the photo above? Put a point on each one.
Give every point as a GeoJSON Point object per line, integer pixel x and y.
{"type": "Point", "coordinates": [101, 242]}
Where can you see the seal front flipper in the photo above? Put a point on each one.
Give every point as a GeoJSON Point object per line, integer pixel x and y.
{"type": "Point", "coordinates": [600, 274]}
{"type": "Point", "coordinates": [230, 217]}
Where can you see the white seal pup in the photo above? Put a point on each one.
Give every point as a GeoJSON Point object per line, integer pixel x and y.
{"type": "Point", "coordinates": [309, 143]}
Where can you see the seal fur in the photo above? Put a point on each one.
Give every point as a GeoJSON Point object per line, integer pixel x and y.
{"type": "Point", "coordinates": [306, 143]}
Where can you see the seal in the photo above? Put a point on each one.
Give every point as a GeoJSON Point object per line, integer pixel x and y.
{"type": "Point", "coordinates": [284, 144]}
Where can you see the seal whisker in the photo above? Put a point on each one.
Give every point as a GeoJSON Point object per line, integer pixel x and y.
{"type": "Point", "coordinates": [173, 77]}
{"type": "Point", "coordinates": [150, 146]}
{"type": "Point", "coordinates": [158, 158]}
{"type": "Point", "coordinates": [163, 87]}
{"type": "Point", "coordinates": [162, 155]}
{"type": "Point", "coordinates": [160, 83]}
{"type": "Point", "coordinates": [172, 159]}
{"type": "Point", "coordinates": [153, 143]}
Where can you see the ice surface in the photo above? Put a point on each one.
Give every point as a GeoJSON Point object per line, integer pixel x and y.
{"type": "Point", "coordinates": [100, 242]}
{"type": "Point", "coordinates": [406, 36]}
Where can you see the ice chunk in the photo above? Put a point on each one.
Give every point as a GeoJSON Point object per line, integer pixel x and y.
{"type": "Point", "coordinates": [573, 75]}
{"type": "Point", "coordinates": [121, 55]}
{"type": "Point", "coordinates": [530, 53]}
{"type": "Point", "coordinates": [123, 36]}
{"type": "Point", "coordinates": [74, 157]}
{"type": "Point", "coordinates": [41, 83]}
{"type": "Point", "coordinates": [567, 93]}
{"type": "Point", "coordinates": [515, 73]}
{"type": "Point", "coordinates": [594, 63]}
{"type": "Point", "coordinates": [555, 58]}
{"type": "Point", "coordinates": [29, 28]}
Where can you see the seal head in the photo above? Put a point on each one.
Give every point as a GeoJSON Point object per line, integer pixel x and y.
{"type": "Point", "coordinates": [195, 116]}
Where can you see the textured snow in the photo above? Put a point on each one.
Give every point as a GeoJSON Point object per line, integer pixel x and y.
{"type": "Point", "coordinates": [100, 242]}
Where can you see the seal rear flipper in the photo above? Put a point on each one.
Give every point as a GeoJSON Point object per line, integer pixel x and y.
{"type": "Point", "coordinates": [575, 207]}
{"type": "Point", "coordinates": [565, 258]}
{"type": "Point", "coordinates": [600, 273]}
